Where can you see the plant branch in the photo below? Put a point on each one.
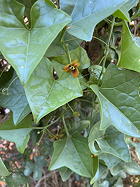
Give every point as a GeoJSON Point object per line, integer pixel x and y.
{"type": "Point", "coordinates": [65, 126]}
{"type": "Point", "coordinates": [100, 40]}
{"type": "Point", "coordinates": [66, 49]}
{"type": "Point", "coordinates": [107, 48]}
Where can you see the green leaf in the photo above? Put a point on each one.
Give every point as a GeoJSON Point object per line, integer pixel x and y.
{"type": "Point", "coordinates": [119, 100]}
{"type": "Point", "coordinates": [112, 142]}
{"type": "Point", "coordinates": [3, 170]}
{"type": "Point", "coordinates": [67, 5]}
{"type": "Point", "coordinates": [123, 10]}
{"type": "Point", "coordinates": [77, 54]}
{"type": "Point", "coordinates": [16, 180]}
{"type": "Point", "coordinates": [56, 47]}
{"type": "Point", "coordinates": [73, 153]}
{"type": "Point", "coordinates": [130, 50]}
{"type": "Point", "coordinates": [110, 160]}
{"type": "Point", "coordinates": [17, 134]}
{"type": "Point", "coordinates": [131, 168]}
{"type": "Point", "coordinates": [21, 47]}
{"type": "Point", "coordinates": [101, 173]}
{"type": "Point", "coordinates": [119, 183]}
{"type": "Point", "coordinates": [12, 96]}
{"type": "Point", "coordinates": [45, 93]}
{"type": "Point", "coordinates": [65, 173]}
{"type": "Point", "coordinates": [28, 4]}
{"type": "Point", "coordinates": [87, 14]}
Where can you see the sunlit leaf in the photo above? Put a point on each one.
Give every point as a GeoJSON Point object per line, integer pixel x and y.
{"type": "Point", "coordinates": [67, 5]}
{"type": "Point", "coordinates": [87, 14]}
{"type": "Point", "coordinates": [45, 93]}
{"type": "Point", "coordinates": [119, 100]}
{"type": "Point", "coordinates": [123, 10]}
{"type": "Point", "coordinates": [130, 50]}
{"type": "Point", "coordinates": [21, 47]}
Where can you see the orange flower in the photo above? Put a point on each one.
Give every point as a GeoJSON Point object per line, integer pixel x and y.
{"type": "Point", "coordinates": [73, 68]}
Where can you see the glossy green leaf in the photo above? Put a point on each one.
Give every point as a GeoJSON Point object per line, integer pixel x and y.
{"type": "Point", "coordinates": [87, 14]}
{"type": "Point", "coordinates": [17, 134]}
{"type": "Point", "coordinates": [45, 93]}
{"type": "Point", "coordinates": [77, 54]}
{"type": "Point", "coordinates": [119, 100]}
{"type": "Point", "coordinates": [3, 170]}
{"type": "Point", "coordinates": [21, 47]}
{"type": "Point", "coordinates": [73, 153]}
{"type": "Point", "coordinates": [130, 50]}
{"type": "Point", "coordinates": [65, 173]}
{"type": "Point", "coordinates": [12, 96]}
{"type": "Point", "coordinates": [123, 10]}
{"type": "Point", "coordinates": [112, 142]}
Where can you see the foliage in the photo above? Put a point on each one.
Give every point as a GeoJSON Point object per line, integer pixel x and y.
{"type": "Point", "coordinates": [66, 117]}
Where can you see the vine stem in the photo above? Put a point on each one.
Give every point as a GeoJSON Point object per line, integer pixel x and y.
{"type": "Point", "coordinates": [45, 127]}
{"type": "Point", "coordinates": [70, 108]}
{"type": "Point", "coordinates": [65, 46]}
{"type": "Point", "coordinates": [100, 40]}
{"type": "Point", "coordinates": [107, 48]}
{"type": "Point", "coordinates": [65, 126]}
{"type": "Point", "coordinates": [66, 49]}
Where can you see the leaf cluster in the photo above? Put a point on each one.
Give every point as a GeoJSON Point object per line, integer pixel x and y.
{"type": "Point", "coordinates": [83, 124]}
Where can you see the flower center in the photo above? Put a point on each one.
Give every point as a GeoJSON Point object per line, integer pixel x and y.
{"type": "Point", "coordinates": [72, 68]}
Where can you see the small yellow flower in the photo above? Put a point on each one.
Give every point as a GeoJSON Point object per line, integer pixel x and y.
{"type": "Point", "coordinates": [73, 68]}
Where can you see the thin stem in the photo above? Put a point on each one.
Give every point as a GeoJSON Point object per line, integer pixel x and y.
{"type": "Point", "coordinates": [101, 60]}
{"type": "Point", "coordinates": [100, 40]}
{"type": "Point", "coordinates": [65, 126]}
{"type": "Point", "coordinates": [65, 46]}
{"type": "Point", "coordinates": [84, 100]}
{"type": "Point", "coordinates": [37, 128]}
{"type": "Point", "coordinates": [2, 71]}
{"type": "Point", "coordinates": [108, 21]}
{"type": "Point", "coordinates": [12, 82]}
{"type": "Point", "coordinates": [5, 90]}
{"type": "Point", "coordinates": [66, 49]}
{"type": "Point", "coordinates": [47, 125]}
{"type": "Point", "coordinates": [52, 122]}
{"type": "Point", "coordinates": [108, 47]}
{"type": "Point", "coordinates": [109, 40]}
{"type": "Point", "coordinates": [70, 108]}
{"type": "Point", "coordinates": [39, 142]}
